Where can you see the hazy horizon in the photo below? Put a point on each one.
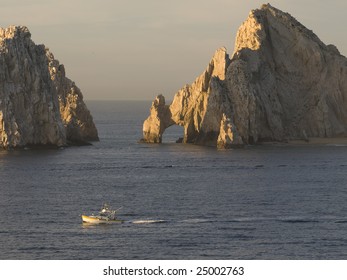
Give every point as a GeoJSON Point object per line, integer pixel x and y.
{"type": "Point", "coordinates": [134, 50]}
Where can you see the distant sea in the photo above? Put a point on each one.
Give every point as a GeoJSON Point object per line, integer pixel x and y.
{"type": "Point", "coordinates": [179, 201]}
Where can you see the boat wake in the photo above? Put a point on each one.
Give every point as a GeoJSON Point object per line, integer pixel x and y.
{"type": "Point", "coordinates": [148, 221]}
{"type": "Point", "coordinates": [196, 221]}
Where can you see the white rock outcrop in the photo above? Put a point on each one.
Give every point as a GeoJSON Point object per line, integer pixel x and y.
{"type": "Point", "coordinates": [38, 104]}
{"type": "Point", "coordinates": [281, 83]}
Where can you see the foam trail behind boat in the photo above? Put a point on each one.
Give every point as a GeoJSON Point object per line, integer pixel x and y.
{"type": "Point", "coordinates": [148, 221]}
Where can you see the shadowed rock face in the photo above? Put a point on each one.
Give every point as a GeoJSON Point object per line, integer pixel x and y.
{"type": "Point", "coordinates": [281, 83]}
{"type": "Point", "coordinates": [38, 104]}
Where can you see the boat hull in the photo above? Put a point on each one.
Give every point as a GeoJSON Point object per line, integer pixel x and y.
{"type": "Point", "coordinates": [96, 220]}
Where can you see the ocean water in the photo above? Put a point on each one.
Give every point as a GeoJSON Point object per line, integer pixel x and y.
{"type": "Point", "coordinates": [179, 201]}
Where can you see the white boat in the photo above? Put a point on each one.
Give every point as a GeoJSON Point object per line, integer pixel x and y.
{"type": "Point", "coordinates": [106, 216]}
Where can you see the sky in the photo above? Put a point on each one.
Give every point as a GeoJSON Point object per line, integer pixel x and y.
{"type": "Point", "coordinates": [137, 49]}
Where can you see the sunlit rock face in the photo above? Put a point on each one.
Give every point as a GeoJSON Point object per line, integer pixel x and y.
{"type": "Point", "coordinates": [281, 83]}
{"type": "Point", "coordinates": [38, 104]}
{"type": "Point", "coordinates": [77, 120]}
{"type": "Point", "coordinates": [158, 121]}
{"type": "Point", "coordinates": [198, 107]}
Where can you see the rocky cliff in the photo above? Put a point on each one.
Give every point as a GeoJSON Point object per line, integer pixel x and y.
{"type": "Point", "coordinates": [38, 104]}
{"type": "Point", "coordinates": [281, 83]}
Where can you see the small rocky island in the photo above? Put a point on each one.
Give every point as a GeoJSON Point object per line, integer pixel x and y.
{"type": "Point", "coordinates": [39, 105]}
{"type": "Point", "coordinates": [281, 83]}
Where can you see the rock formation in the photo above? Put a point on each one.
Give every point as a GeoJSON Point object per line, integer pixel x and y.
{"type": "Point", "coordinates": [74, 113]}
{"type": "Point", "coordinates": [38, 104]}
{"type": "Point", "coordinates": [281, 83]}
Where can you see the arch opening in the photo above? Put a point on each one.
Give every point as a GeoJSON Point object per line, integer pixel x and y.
{"type": "Point", "coordinates": [173, 134]}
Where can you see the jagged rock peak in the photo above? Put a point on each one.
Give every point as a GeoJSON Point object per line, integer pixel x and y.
{"type": "Point", "coordinates": [13, 31]}
{"type": "Point", "coordinates": [216, 68]}
{"type": "Point", "coordinates": [219, 63]}
{"type": "Point", "coordinates": [255, 29]}
{"type": "Point", "coordinates": [281, 83]}
{"type": "Point", "coordinates": [38, 104]}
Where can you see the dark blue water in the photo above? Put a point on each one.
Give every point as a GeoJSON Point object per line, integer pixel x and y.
{"type": "Point", "coordinates": [260, 202]}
